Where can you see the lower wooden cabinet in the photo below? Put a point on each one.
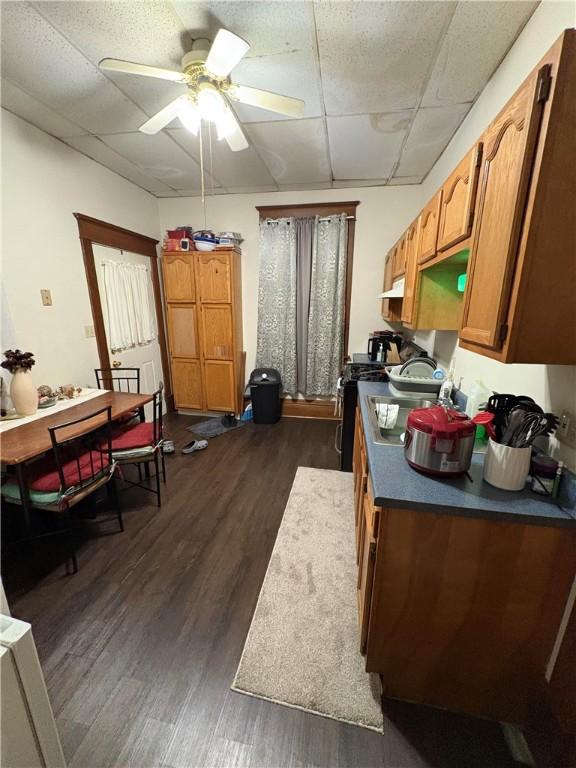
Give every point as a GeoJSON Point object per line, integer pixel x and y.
{"type": "Point", "coordinates": [219, 381]}
{"type": "Point", "coordinates": [187, 383]}
{"type": "Point", "coordinates": [459, 612]}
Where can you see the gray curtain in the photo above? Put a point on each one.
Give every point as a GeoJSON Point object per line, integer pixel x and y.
{"type": "Point", "coordinates": [276, 343]}
{"type": "Point", "coordinates": [301, 297]}
{"type": "Point", "coordinates": [304, 239]}
{"type": "Point", "coordinates": [327, 299]}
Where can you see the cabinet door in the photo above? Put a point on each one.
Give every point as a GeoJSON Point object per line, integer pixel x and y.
{"type": "Point", "coordinates": [366, 574]}
{"type": "Point", "coordinates": [509, 148]}
{"type": "Point", "coordinates": [178, 275]}
{"type": "Point", "coordinates": [214, 276]}
{"type": "Point", "coordinates": [428, 229]}
{"type": "Point", "coordinates": [219, 385]}
{"type": "Point", "coordinates": [187, 381]}
{"type": "Point", "coordinates": [458, 198]}
{"type": "Point", "coordinates": [399, 265]}
{"type": "Point", "coordinates": [217, 332]}
{"type": "Point", "coordinates": [182, 330]}
{"type": "Point", "coordinates": [385, 307]}
{"type": "Point", "coordinates": [411, 279]}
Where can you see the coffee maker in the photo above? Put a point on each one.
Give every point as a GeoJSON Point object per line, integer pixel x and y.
{"type": "Point", "coordinates": [384, 339]}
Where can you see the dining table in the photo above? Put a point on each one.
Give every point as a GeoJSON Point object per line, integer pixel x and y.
{"type": "Point", "coordinates": [22, 443]}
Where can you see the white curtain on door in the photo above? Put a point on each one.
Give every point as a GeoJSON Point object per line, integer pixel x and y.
{"type": "Point", "coordinates": [127, 302]}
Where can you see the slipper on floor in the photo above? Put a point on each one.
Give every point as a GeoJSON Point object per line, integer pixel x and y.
{"type": "Point", "coordinates": [195, 445]}
{"type": "Point", "coordinates": [168, 446]}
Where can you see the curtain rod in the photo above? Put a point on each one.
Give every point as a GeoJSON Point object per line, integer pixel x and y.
{"type": "Point", "coordinates": [322, 218]}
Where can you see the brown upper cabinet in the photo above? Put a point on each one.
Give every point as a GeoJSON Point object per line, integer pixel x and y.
{"type": "Point", "coordinates": [505, 216]}
{"type": "Point", "coordinates": [519, 305]}
{"type": "Point", "coordinates": [391, 308]}
{"type": "Point", "coordinates": [457, 201]}
{"type": "Point", "coordinates": [428, 229]}
{"type": "Point", "coordinates": [411, 279]}
{"type": "Point", "coordinates": [214, 277]}
{"type": "Point", "coordinates": [399, 260]}
{"type": "Point", "coordinates": [178, 272]}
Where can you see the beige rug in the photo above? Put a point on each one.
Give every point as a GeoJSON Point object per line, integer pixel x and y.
{"type": "Point", "coordinates": [302, 648]}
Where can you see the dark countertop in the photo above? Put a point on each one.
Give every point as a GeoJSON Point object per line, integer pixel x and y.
{"type": "Point", "coordinates": [396, 484]}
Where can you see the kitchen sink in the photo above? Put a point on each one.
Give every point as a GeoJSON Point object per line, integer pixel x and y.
{"type": "Point", "coordinates": [393, 435]}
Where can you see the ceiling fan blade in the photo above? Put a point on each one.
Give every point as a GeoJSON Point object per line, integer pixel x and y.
{"type": "Point", "coordinates": [226, 51]}
{"type": "Point", "coordinates": [229, 128]}
{"type": "Point", "coordinates": [130, 68]}
{"type": "Point", "coordinates": [165, 116]}
{"type": "Point", "coordinates": [273, 102]}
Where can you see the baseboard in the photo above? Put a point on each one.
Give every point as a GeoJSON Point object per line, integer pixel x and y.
{"type": "Point", "coordinates": [308, 409]}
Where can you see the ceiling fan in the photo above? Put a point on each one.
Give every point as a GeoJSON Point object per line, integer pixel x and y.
{"type": "Point", "coordinates": [206, 73]}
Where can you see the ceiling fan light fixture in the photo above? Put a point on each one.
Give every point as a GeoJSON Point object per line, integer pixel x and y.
{"type": "Point", "coordinates": [190, 116]}
{"type": "Point", "coordinates": [210, 103]}
{"type": "Point", "coordinates": [226, 124]}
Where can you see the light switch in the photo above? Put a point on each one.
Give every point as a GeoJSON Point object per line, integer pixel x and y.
{"type": "Point", "coordinates": [46, 297]}
{"type": "Point", "coordinates": [89, 331]}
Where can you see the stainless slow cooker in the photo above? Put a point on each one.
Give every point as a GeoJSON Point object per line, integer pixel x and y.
{"type": "Point", "coordinates": [439, 441]}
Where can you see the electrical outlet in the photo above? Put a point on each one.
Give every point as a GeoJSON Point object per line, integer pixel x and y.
{"type": "Point", "coordinates": [89, 332]}
{"type": "Point", "coordinates": [46, 297]}
{"type": "Point", "coordinates": [566, 431]}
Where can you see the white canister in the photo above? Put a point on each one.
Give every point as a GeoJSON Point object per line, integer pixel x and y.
{"type": "Point", "coordinates": [506, 467]}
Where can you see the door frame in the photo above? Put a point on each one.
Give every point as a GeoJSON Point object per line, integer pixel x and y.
{"type": "Point", "coordinates": [92, 231]}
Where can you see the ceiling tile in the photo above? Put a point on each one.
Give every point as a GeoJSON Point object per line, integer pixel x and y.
{"type": "Point", "coordinates": [351, 183]}
{"type": "Point", "coordinates": [232, 169]}
{"type": "Point", "coordinates": [159, 156]}
{"type": "Point", "coordinates": [431, 131]}
{"type": "Point", "coordinates": [478, 38]}
{"type": "Point", "coordinates": [15, 100]}
{"type": "Point", "coordinates": [376, 59]}
{"type": "Point", "coordinates": [148, 32]}
{"type": "Point", "coordinates": [366, 146]}
{"type": "Point", "coordinates": [294, 150]}
{"type": "Point", "coordinates": [97, 150]}
{"type": "Point", "coordinates": [41, 62]}
{"type": "Point", "coordinates": [249, 190]}
{"type": "Point", "coordinates": [298, 187]}
{"type": "Point", "coordinates": [401, 180]}
{"type": "Point", "coordinates": [282, 74]}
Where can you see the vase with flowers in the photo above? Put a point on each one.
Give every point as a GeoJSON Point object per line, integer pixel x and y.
{"type": "Point", "coordinates": [22, 390]}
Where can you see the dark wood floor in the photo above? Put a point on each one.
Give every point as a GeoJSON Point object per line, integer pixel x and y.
{"type": "Point", "coordinates": [140, 647]}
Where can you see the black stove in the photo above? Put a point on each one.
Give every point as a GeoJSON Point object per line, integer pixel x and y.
{"type": "Point", "coordinates": [352, 374]}
{"type": "Point", "coordinates": [365, 372]}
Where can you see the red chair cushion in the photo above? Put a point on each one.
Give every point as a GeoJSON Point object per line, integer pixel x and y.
{"type": "Point", "coordinates": [43, 475]}
{"type": "Point", "coordinates": [138, 436]}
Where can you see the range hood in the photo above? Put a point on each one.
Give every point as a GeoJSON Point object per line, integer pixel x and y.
{"type": "Point", "coordinates": [396, 292]}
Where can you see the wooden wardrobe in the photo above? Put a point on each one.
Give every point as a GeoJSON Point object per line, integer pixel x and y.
{"type": "Point", "coordinates": [203, 299]}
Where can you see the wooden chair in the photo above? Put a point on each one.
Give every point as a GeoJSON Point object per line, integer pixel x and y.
{"type": "Point", "coordinates": [141, 444]}
{"type": "Point", "coordinates": [80, 463]}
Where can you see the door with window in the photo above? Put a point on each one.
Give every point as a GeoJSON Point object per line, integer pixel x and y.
{"type": "Point", "coordinates": [136, 346]}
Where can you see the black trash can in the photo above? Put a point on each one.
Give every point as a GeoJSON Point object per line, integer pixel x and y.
{"type": "Point", "coordinates": [265, 385]}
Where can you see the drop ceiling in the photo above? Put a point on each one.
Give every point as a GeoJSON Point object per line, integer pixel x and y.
{"type": "Point", "coordinates": [386, 85]}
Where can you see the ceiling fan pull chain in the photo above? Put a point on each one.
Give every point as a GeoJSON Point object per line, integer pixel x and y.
{"type": "Point", "coordinates": [210, 154]}
{"type": "Point", "coordinates": [202, 173]}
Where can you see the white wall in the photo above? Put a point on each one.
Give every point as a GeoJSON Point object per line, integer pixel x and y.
{"type": "Point", "coordinates": [554, 387]}
{"type": "Point", "coordinates": [381, 218]}
{"type": "Point", "coordinates": [44, 182]}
